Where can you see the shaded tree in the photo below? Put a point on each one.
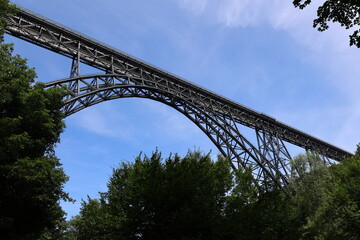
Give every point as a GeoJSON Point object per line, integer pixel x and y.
{"type": "Point", "coordinates": [239, 211]}
{"type": "Point", "coordinates": [31, 177]}
{"type": "Point", "coordinates": [338, 214]}
{"type": "Point", "coordinates": [327, 203]}
{"type": "Point", "coordinates": [308, 188]}
{"type": "Point", "coordinates": [195, 198]}
{"type": "Point", "coordinates": [93, 222]}
{"type": "Point", "coordinates": [255, 212]}
{"type": "Point", "coordinates": [344, 12]}
{"type": "Point", "coordinates": [152, 198]}
{"type": "Point", "coordinates": [5, 9]}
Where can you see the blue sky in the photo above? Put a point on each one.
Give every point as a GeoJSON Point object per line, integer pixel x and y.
{"type": "Point", "coordinates": [262, 54]}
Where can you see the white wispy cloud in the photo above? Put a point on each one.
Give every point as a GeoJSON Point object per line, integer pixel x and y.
{"type": "Point", "coordinates": [104, 121]}
{"type": "Point", "coordinates": [174, 124]}
{"type": "Point", "coordinates": [327, 50]}
{"type": "Point", "coordinates": [244, 13]}
{"type": "Point", "coordinates": [196, 6]}
{"type": "Point", "coordinates": [278, 14]}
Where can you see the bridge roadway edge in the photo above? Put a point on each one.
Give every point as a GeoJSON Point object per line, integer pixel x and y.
{"type": "Point", "coordinates": [132, 65]}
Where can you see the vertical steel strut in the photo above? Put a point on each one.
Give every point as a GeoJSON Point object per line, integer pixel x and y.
{"type": "Point", "coordinates": [217, 116]}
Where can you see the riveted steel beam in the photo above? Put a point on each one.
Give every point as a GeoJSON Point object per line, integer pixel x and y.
{"type": "Point", "coordinates": [85, 91]}
{"type": "Point", "coordinates": [55, 37]}
{"type": "Point", "coordinates": [126, 76]}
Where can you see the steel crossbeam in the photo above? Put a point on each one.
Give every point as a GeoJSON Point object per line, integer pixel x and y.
{"type": "Point", "coordinates": [85, 91]}
{"type": "Point", "coordinates": [218, 117]}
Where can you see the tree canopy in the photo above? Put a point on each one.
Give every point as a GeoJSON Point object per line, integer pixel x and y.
{"type": "Point", "coordinates": [5, 9]}
{"type": "Point", "coordinates": [344, 12]}
{"type": "Point", "coordinates": [197, 198]}
{"type": "Point", "coordinates": [327, 201]}
{"type": "Point", "coordinates": [31, 177]}
{"type": "Point", "coordinates": [187, 198]}
{"type": "Point", "coordinates": [155, 199]}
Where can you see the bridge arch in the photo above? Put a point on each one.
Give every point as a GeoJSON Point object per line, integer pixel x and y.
{"type": "Point", "coordinates": [86, 91]}
{"type": "Point", "coordinates": [268, 159]}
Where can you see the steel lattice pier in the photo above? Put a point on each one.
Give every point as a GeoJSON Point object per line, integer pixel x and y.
{"type": "Point", "coordinates": [125, 76]}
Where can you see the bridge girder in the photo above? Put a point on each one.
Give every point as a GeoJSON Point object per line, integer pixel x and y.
{"type": "Point", "coordinates": [218, 117]}
{"type": "Point", "coordinates": [222, 129]}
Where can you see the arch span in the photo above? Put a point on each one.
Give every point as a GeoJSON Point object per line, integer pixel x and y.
{"type": "Point", "coordinates": [216, 123]}
{"type": "Point", "coordinates": [219, 116]}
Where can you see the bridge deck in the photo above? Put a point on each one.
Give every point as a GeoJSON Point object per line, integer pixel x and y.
{"type": "Point", "coordinates": [62, 40]}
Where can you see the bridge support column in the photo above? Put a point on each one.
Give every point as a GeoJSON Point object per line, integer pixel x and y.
{"type": "Point", "coordinates": [75, 65]}
{"type": "Point", "coordinates": [275, 152]}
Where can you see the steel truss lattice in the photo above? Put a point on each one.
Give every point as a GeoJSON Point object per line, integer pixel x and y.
{"type": "Point", "coordinates": [219, 118]}
{"type": "Point", "coordinates": [222, 129]}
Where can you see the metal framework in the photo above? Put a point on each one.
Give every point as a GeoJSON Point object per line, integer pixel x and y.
{"type": "Point", "coordinates": [125, 76]}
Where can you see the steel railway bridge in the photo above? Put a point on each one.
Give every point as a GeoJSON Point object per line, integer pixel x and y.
{"type": "Point", "coordinates": [125, 76]}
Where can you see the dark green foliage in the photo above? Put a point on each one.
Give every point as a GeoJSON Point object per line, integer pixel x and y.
{"type": "Point", "coordinates": [5, 9]}
{"type": "Point", "coordinates": [195, 198]}
{"type": "Point", "coordinates": [240, 207]}
{"type": "Point", "coordinates": [94, 222]}
{"type": "Point", "coordinates": [327, 201]}
{"type": "Point", "coordinates": [177, 199]}
{"type": "Point", "coordinates": [155, 199]}
{"type": "Point", "coordinates": [31, 179]}
{"type": "Point", "coordinates": [30, 191]}
{"type": "Point", "coordinates": [256, 214]}
{"type": "Point", "coordinates": [345, 12]}
{"type": "Point", "coordinates": [31, 120]}
{"type": "Point", "coordinates": [339, 215]}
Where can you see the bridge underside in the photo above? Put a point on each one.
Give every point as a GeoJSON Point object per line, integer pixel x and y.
{"type": "Point", "coordinates": [267, 158]}
{"type": "Point", "coordinates": [221, 119]}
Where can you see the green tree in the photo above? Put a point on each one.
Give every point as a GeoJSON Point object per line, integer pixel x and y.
{"type": "Point", "coordinates": [327, 203]}
{"type": "Point", "coordinates": [255, 212]}
{"type": "Point", "coordinates": [93, 222]}
{"type": "Point", "coordinates": [195, 198]}
{"type": "Point", "coordinates": [344, 12]}
{"type": "Point", "coordinates": [31, 177]}
{"type": "Point", "coordinates": [239, 211]}
{"type": "Point", "coordinates": [338, 214]}
{"type": "Point", "coordinates": [152, 198]}
{"type": "Point", "coordinates": [5, 9]}
{"type": "Point", "coordinates": [309, 190]}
